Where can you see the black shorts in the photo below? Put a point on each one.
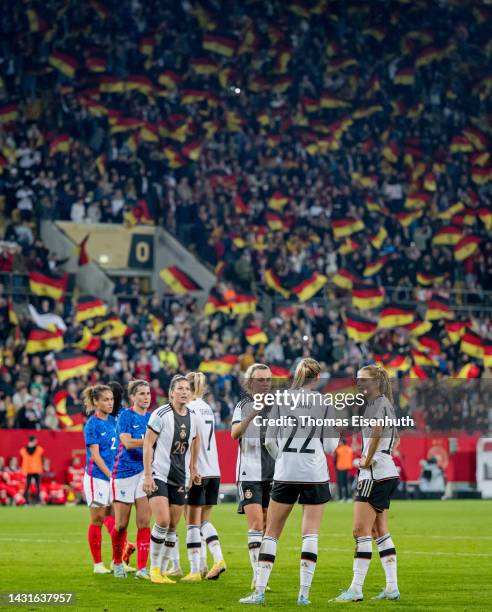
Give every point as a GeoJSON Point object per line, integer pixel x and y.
{"type": "Point", "coordinates": [205, 494]}
{"type": "Point", "coordinates": [176, 495]}
{"type": "Point", "coordinates": [376, 492]}
{"type": "Point", "coordinates": [311, 493]}
{"type": "Point", "coordinates": [253, 493]}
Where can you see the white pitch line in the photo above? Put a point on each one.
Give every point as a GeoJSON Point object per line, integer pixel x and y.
{"type": "Point", "coordinates": [324, 549]}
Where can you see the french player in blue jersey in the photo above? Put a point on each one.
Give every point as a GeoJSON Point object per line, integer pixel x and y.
{"type": "Point", "coordinates": [100, 444]}
{"type": "Point", "coordinates": [127, 479]}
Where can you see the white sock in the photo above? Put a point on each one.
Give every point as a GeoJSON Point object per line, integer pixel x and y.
{"type": "Point", "coordinates": [211, 537]}
{"type": "Point", "coordinates": [157, 539]}
{"type": "Point", "coordinates": [203, 554]}
{"type": "Point", "coordinates": [309, 556]}
{"type": "Point", "coordinates": [175, 562]}
{"type": "Point", "coordinates": [387, 554]}
{"type": "Point", "coordinates": [266, 559]}
{"type": "Point", "coordinates": [194, 543]}
{"type": "Point", "coordinates": [169, 546]}
{"type": "Point", "coordinates": [254, 543]}
{"type": "Point", "coordinates": [362, 560]}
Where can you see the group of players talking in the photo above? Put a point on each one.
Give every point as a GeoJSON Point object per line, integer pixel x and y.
{"type": "Point", "coordinates": [165, 462]}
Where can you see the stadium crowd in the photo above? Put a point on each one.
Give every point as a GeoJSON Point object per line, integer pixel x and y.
{"type": "Point", "coordinates": [344, 145]}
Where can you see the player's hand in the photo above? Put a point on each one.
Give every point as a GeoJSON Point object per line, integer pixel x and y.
{"type": "Point", "coordinates": [364, 463]}
{"type": "Point", "coordinates": [149, 485]}
{"type": "Point", "coordinates": [196, 478]}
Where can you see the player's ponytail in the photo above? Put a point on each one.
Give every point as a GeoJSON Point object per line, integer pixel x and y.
{"type": "Point", "coordinates": [384, 382]}
{"type": "Point", "coordinates": [197, 382]}
{"type": "Point", "coordinates": [134, 385]}
{"type": "Point", "coordinates": [91, 395]}
{"type": "Point", "coordinates": [307, 371]}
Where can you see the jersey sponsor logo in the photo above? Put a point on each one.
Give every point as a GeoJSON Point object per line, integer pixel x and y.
{"type": "Point", "coordinates": [248, 493]}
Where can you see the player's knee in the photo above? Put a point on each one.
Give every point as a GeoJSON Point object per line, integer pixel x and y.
{"type": "Point", "coordinates": [97, 521]}
{"type": "Point", "coordinates": [358, 531]}
{"type": "Point", "coordinates": [143, 523]}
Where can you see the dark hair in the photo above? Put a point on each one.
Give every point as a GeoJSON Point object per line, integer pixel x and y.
{"type": "Point", "coordinates": [117, 390]}
{"type": "Point", "coordinates": [133, 386]}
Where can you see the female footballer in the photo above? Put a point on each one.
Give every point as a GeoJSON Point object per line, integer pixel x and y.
{"type": "Point", "coordinates": [254, 467]}
{"type": "Point", "coordinates": [171, 447]}
{"type": "Point", "coordinates": [100, 443]}
{"type": "Point", "coordinates": [127, 479]}
{"type": "Point", "coordinates": [377, 481]}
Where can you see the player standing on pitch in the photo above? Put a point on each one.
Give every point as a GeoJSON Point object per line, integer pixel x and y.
{"type": "Point", "coordinates": [100, 443]}
{"type": "Point", "coordinates": [301, 474]}
{"type": "Point", "coordinates": [171, 447]}
{"type": "Point", "coordinates": [127, 480]}
{"type": "Point", "coordinates": [254, 468]}
{"type": "Point", "coordinates": [202, 497]}
{"type": "Point", "coordinates": [377, 481]}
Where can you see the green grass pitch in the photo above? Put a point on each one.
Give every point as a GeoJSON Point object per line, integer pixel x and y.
{"type": "Point", "coordinates": [444, 561]}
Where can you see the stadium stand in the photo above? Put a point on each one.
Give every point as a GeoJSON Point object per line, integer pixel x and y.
{"type": "Point", "coordinates": [333, 172]}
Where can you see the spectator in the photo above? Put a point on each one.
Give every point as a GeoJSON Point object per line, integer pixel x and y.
{"type": "Point", "coordinates": [343, 465]}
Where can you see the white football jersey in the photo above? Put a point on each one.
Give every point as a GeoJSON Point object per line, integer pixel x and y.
{"type": "Point", "coordinates": [300, 438]}
{"type": "Point", "coordinates": [254, 464]}
{"type": "Point", "coordinates": [383, 466]}
{"type": "Point", "coordinates": [208, 459]}
{"type": "Point", "coordinates": [172, 451]}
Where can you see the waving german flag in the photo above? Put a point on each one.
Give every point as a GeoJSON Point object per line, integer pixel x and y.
{"type": "Point", "coordinates": [64, 63]}
{"type": "Point", "coordinates": [272, 280]}
{"type": "Point", "coordinates": [88, 342]}
{"type": "Point", "coordinates": [48, 285]}
{"type": "Point", "coordinates": [487, 356]}
{"type": "Point", "coordinates": [456, 330]}
{"type": "Point", "coordinates": [471, 344]}
{"type": "Point", "coordinates": [346, 227]}
{"type": "Point", "coordinates": [90, 307]}
{"type": "Point", "coordinates": [466, 247]}
{"type": "Point", "coordinates": [423, 359]}
{"type": "Point", "coordinates": [426, 279]}
{"type": "Point", "coordinates": [216, 303]}
{"type": "Point", "coordinates": [427, 344]}
{"type": "Point", "coordinates": [419, 327]}
{"type": "Point", "coordinates": [219, 365]}
{"type": "Point", "coordinates": [243, 304]}
{"type": "Point", "coordinates": [374, 267]}
{"type": "Point", "coordinates": [395, 316]}
{"type": "Point", "coordinates": [345, 279]}
{"type": "Point", "coordinates": [359, 329]}
{"type": "Point", "coordinates": [310, 286]}
{"type": "Point", "coordinates": [255, 335]}
{"type": "Point", "coordinates": [438, 308]}
{"type": "Point", "coordinates": [223, 45]}
{"type": "Point", "coordinates": [448, 235]}
{"type": "Point", "coordinates": [43, 340]}
{"type": "Point", "coordinates": [74, 364]}
{"type": "Point", "coordinates": [178, 281]}
{"type": "Point", "coordinates": [366, 297]}
{"type": "Point", "coordinates": [468, 371]}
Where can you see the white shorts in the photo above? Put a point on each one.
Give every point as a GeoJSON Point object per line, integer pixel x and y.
{"type": "Point", "coordinates": [129, 489]}
{"type": "Point", "coordinates": [97, 491]}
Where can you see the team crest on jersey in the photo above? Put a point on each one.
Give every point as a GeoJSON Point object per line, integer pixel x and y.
{"type": "Point", "coordinates": [248, 494]}
{"type": "Point", "coordinates": [182, 433]}
{"type": "Point", "coordinates": [123, 493]}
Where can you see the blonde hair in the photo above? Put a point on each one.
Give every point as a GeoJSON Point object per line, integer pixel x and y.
{"type": "Point", "coordinates": [133, 386]}
{"type": "Point", "coordinates": [248, 375]}
{"type": "Point", "coordinates": [307, 370]}
{"type": "Point", "coordinates": [384, 382]}
{"type": "Point", "coordinates": [90, 395]}
{"type": "Point", "coordinates": [197, 382]}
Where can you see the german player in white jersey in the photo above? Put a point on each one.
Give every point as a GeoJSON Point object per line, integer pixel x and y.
{"type": "Point", "coordinates": [171, 447]}
{"type": "Point", "coordinates": [255, 466]}
{"type": "Point", "coordinates": [202, 497]}
{"type": "Point", "coordinates": [377, 481]}
{"type": "Point", "coordinates": [299, 447]}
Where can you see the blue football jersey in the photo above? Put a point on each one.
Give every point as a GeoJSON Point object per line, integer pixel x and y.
{"type": "Point", "coordinates": [130, 461]}
{"type": "Point", "coordinates": [101, 432]}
